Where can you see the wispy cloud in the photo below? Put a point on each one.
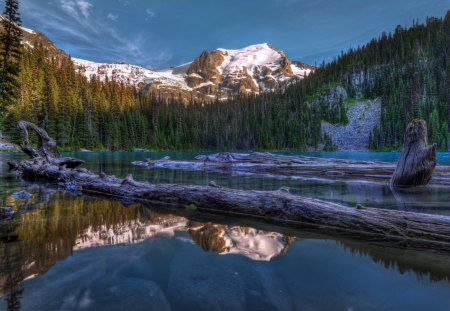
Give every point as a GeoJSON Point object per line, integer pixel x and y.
{"type": "Point", "coordinates": [76, 7]}
{"type": "Point", "coordinates": [69, 8]}
{"type": "Point", "coordinates": [150, 14]}
{"type": "Point", "coordinates": [112, 17]}
{"type": "Point", "coordinates": [84, 7]}
{"type": "Point", "coordinates": [91, 38]}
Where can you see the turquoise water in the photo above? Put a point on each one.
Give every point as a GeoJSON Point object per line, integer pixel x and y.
{"type": "Point", "coordinates": [68, 252]}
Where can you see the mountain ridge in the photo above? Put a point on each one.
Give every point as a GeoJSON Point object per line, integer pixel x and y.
{"type": "Point", "coordinates": [220, 73]}
{"type": "Point", "coordinates": [217, 74]}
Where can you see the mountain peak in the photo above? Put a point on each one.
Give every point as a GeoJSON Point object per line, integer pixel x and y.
{"type": "Point", "coordinates": [221, 73]}
{"type": "Point", "coordinates": [252, 69]}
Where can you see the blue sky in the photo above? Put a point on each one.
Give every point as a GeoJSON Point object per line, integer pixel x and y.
{"type": "Point", "coordinates": [163, 33]}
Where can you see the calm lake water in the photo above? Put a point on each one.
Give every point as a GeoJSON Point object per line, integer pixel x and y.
{"type": "Point", "coordinates": [62, 251]}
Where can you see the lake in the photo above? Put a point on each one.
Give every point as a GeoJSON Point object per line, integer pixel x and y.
{"type": "Point", "coordinates": [64, 251]}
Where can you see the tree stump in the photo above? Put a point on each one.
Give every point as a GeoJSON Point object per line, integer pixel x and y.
{"type": "Point", "coordinates": [46, 147]}
{"type": "Point", "coordinates": [46, 150]}
{"type": "Point", "coordinates": [417, 160]}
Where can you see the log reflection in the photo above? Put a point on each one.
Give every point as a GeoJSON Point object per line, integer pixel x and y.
{"type": "Point", "coordinates": [31, 243]}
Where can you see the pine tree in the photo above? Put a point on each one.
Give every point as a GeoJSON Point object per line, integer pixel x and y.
{"type": "Point", "coordinates": [10, 44]}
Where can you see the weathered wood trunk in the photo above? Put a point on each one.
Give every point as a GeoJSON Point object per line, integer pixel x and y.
{"type": "Point", "coordinates": [46, 148]}
{"type": "Point", "coordinates": [46, 145]}
{"type": "Point", "coordinates": [403, 229]}
{"type": "Point", "coordinates": [283, 167]}
{"type": "Point", "coordinates": [417, 160]}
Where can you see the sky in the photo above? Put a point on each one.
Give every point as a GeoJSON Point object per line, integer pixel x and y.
{"type": "Point", "coordinates": [165, 33]}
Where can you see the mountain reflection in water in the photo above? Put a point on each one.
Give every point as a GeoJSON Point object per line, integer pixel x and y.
{"type": "Point", "coordinates": [62, 223]}
{"type": "Point", "coordinates": [59, 225]}
{"type": "Point", "coordinates": [65, 252]}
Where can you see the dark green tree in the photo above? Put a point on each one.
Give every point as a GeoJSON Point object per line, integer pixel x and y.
{"type": "Point", "coordinates": [11, 50]}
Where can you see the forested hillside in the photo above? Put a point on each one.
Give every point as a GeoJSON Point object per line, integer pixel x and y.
{"type": "Point", "coordinates": [409, 70]}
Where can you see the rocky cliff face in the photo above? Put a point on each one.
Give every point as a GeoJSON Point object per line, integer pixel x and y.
{"type": "Point", "coordinates": [354, 136]}
{"type": "Point", "coordinates": [348, 122]}
{"type": "Point", "coordinates": [250, 70]}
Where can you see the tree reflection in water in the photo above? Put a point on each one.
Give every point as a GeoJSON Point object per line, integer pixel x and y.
{"type": "Point", "coordinates": [11, 275]}
{"type": "Point", "coordinates": [59, 223]}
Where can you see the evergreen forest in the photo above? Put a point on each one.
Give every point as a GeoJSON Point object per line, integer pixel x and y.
{"type": "Point", "coordinates": [409, 70]}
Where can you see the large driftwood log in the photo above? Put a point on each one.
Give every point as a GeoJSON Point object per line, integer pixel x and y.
{"type": "Point", "coordinates": [417, 160]}
{"type": "Point", "coordinates": [404, 229]}
{"type": "Point", "coordinates": [281, 166]}
{"type": "Point", "coordinates": [413, 230]}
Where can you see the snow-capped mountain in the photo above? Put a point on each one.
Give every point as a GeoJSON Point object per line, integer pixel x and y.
{"type": "Point", "coordinates": [248, 242]}
{"type": "Point", "coordinates": [221, 73]}
{"type": "Point", "coordinates": [129, 74]}
{"type": "Point", "coordinates": [252, 69]}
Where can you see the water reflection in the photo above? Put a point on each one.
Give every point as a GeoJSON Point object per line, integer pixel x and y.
{"type": "Point", "coordinates": [61, 223]}
{"type": "Point", "coordinates": [192, 260]}
{"type": "Point", "coordinates": [250, 242]}
{"type": "Point", "coordinates": [435, 200]}
{"type": "Point", "coordinates": [11, 276]}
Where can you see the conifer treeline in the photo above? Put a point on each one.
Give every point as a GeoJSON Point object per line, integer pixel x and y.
{"type": "Point", "coordinates": [110, 115]}
{"type": "Point", "coordinates": [409, 70]}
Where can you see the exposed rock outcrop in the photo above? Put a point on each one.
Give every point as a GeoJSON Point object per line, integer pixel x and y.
{"type": "Point", "coordinates": [205, 68]}
{"type": "Point", "coordinates": [249, 70]}
{"type": "Point", "coordinates": [363, 116]}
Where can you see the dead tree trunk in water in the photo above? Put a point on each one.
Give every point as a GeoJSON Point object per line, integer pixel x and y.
{"type": "Point", "coordinates": [417, 160]}
{"type": "Point", "coordinates": [399, 229]}
{"type": "Point", "coordinates": [46, 150]}
{"type": "Point", "coordinates": [46, 145]}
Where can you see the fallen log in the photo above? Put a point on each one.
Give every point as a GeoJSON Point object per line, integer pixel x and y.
{"type": "Point", "coordinates": [403, 229]}
{"type": "Point", "coordinates": [281, 166]}
{"type": "Point", "coordinates": [417, 160]}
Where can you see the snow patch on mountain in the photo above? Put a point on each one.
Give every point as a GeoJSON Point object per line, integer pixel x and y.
{"type": "Point", "coordinates": [253, 243]}
{"type": "Point", "coordinates": [30, 31]}
{"type": "Point", "coordinates": [129, 74]}
{"type": "Point", "coordinates": [254, 57]}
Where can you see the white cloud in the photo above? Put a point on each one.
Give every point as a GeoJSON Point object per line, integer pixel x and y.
{"type": "Point", "coordinates": [69, 7]}
{"type": "Point", "coordinates": [112, 17]}
{"type": "Point", "coordinates": [75, 7]}
{"type": "Point", "coordinates": [84, 6]}
{"type": "Point", "coordinates": [150, 14]}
